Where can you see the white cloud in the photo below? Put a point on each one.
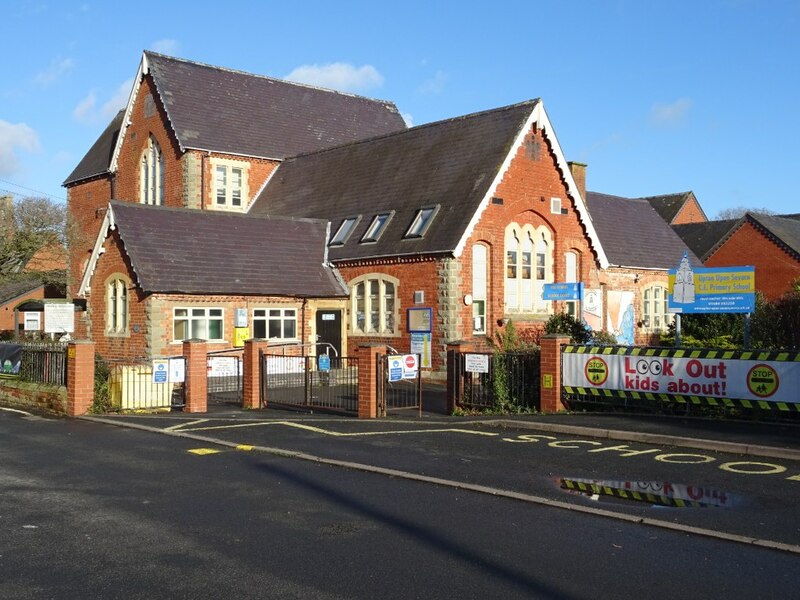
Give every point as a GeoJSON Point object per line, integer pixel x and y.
{"type": "Point", "coordinates": [338, 76]}
{"type": "Point", "coordinates": [408, 119]}
{"type": "Point", "coordinates": [13, 137]}
{"type": "Point", "coordinates": [434, 85]}
{"type": "Point", "coordinates": [57, 68]}
{"type": "Point", "coordinates": [165, 46]}
{"type": "Point", "coordinates": [670, 115]}
{"type": "Point", "coordinates": [88, 111]}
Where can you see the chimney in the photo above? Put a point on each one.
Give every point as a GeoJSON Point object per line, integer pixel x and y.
{"type": "Point", "coordinates": [578, 171]}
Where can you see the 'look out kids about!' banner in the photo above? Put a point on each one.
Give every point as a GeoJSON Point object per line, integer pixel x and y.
{"type": "Point", "coordinates": [769, 376]}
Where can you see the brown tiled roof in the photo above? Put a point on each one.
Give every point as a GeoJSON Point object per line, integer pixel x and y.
{"type": "Point", "coordinates": [222, 110]}
{"type": "Point", "coordinates": [98, 159]}
{"type": "Point", "coordinates": [702, 237]}
{"type": "Point", "coordinates": [634, 235]}
{"type": "Point", "coordinates": [175, 250]}
{"type": "Point", "coordinates": [450, 163]}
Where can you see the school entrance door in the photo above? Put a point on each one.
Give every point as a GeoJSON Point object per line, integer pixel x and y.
{"type": "Point", "coordinates": [329, 332]}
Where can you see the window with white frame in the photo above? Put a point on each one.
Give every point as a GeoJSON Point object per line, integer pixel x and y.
{"type": "Point", "coordinates": [151, 176]}
{"type": "Point", "coordinates": [33, 321]}
{"type": "Point", "coordinates": [117, 306]}
{"type": "Point", "coordinates": [197, 323]}
{"type": "Point", "coordinates": [374, 305]}
{"type": "Point", "coordinates": [377, 227]}
{"type": "Point", "coordinates": [479, 262]}
{"type": "Point", "coordinates": [654, 308]}
{"type": "Point", "coordinates": [344, 231]}
{"type": "Point", "coordinates": [529, 265]}
{"type": "Point", "coordinates": [275, 323]}
{"type": "Point", "coordinates": [421, 222]}
{"type": "Point", "coordinates": [571, 269]}
{"type": "Point", "coordinates": [230, 184]}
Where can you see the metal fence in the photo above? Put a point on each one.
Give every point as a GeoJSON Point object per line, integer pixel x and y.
{"type": "Point", "coordinates": [132, 384]}
{"type": "Point", "coordinates": [225, 376]}
{"type": "Point", "coordinates": [397, 394]}
{"type": "Point", "coordinates": [302, 382]}
{"type": "Point", "coordinates": [497, 381]}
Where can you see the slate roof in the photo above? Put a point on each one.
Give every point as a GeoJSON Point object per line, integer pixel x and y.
{"type": "Point", "coordinates": [668, 205]}
{"type": "Point", "coordinates": [449, 163]}
{"type": "Point", "coordinates": [222, 110]}
{"type": "Point", "coordinates": [784, 231]}
{"type": "Point", "coordinates": [98, 159]}
{"type": "Point", "coordinates": [175, 250]}
{"type": "Point", "coordinates": [702, 237]}
{"type": "Point", "coordinates": [633, 234]}
{"type": "Point", "coordinates": [9, 290]}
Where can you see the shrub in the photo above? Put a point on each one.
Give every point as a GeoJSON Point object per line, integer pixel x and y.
{"type": "Point", "coordinates": [577, 330]}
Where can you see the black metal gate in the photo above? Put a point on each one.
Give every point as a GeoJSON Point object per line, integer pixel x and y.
{"type": "Point", "coordinates": [225, 377]}
{"type": "Point", "coordinates": [498, 381]}
{"type": "Point", "coordinates": [397, 392]}
{"type": "Point", "coordinates": [309, 382]}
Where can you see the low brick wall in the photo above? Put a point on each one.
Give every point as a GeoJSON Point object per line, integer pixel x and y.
{"type": "Point", "coordinates": [21, 394]}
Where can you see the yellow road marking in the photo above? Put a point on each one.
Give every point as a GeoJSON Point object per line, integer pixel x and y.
{"type": "Point", "coordinates": [339, 434]}
{"type": "Point", "coordinates": [180, 425]}
{"type": "Point", "coordinates": [245, 447]}
{"type": "Point", "coordinates": [203, 451]}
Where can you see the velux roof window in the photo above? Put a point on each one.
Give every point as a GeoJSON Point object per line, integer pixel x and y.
{"type": "Point", "coordinates": [377, 227]}
{"type": "Point", "coordinates": [421, 222]}
{"type": "Point", "coordinates": [344, 231]}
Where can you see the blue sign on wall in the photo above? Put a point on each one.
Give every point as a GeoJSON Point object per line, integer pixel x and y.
{"type": "Point", "coordinates": [563, 291]}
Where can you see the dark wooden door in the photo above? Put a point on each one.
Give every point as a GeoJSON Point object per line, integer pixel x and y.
{"type": "Point", "coordinates": [329, 330]}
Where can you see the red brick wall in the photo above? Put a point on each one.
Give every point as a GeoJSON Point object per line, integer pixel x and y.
{"type": "Point", "coordinates": [86, 204]}
{"type": "Point", "coordinates": [258, 172]}
{"type": "Point", "coordinates": [7, 310]}
{"type": "Point", "coordinates": [775, 267]}
{"type": "Point", "coordinates": [690, 212]}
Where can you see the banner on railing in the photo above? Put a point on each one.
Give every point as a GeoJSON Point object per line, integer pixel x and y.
{"type": "Point", "coordinates": [756, 376]}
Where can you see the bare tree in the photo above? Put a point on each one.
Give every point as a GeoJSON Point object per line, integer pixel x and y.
{"type": "Point", "coordinates": [28, 225]}
{"type": "Point", "coordinates": [738, 211]}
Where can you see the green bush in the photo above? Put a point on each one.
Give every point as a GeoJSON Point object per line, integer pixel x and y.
{"type": "Point", "coordinates": [102, 398]}
{"type": "Point", "coordinates": [578, 332]}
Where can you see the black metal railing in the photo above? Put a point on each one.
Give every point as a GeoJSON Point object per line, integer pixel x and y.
{"type": "Point", "coordinates": [497, 381]}
{"type": "Point", "coordinates": [225, 376]}
{"type": "Point", "coordinates": [397, 393]}
{"type": "Point", "coordinates": [307, 383]}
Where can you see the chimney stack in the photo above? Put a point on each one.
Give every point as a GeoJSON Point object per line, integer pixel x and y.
{"type": "Point", "coordinates": [578, 171]}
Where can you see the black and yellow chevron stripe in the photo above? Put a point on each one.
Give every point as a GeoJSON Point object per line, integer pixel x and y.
{"type": "Point", "coordinates": [646, 497]}
{"type": "Point", "coordinates": [658, 352]}
{"type": "Point", "coordinates": [602, 393]}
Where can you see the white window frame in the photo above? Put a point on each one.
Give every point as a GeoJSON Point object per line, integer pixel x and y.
{"type": "Point", "coordinates": [284, 315]}
{"type": "Point", "coordinates": [528, 265]}
{"type": "Point", "coordinates": [379, 224]}
{"type": "Point", "coordinates": [555, 206]}
{"type": "Point", "coordinates": [228, 190]}
{"type": "Point", "coordinates": [117, 305]}
{"type": "Point", "coordinates": [196, 314]}
{"type": "Point", "coordinates": [655, 316]}
{"type": "Point", "coordinates": [30, 317]}
{"type": "Point", "coordinates": [480, 263]}
{"type": "Point", "coordinates": [151, 174]}
{"type": "Point", "coordinates": [572, 269]}
{"type": "Point", "coordinates": [344, 232]}
{"type": "Point", "coordinates": [422, 221]}
{"type": "Point", "coordinates": [362, 305]}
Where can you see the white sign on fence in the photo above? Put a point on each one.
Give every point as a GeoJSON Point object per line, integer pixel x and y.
{"type": "Point", "coordinates": [476, 363]}
{"type": "Point", "coordinates": [223, 366]}
{"type": "Point", "coordinates": [59, 317]}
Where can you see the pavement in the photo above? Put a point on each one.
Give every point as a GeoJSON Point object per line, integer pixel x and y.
{"type": "Point", "coordinates": [750, 438]}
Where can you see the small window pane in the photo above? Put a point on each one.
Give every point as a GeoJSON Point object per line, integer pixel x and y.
{"type": "Point", "coordinates": [274, 328]}
{"type": "Point", "coordinates": [289, 329]}
{"type": "Point", "coordinates": [376, 228]}
{"type": "Point", "coordinates": [344, 231]}
{"type": "Point", "coordinates": [180, 330]}
{"type": "Point", "coordinates": [260, 329]}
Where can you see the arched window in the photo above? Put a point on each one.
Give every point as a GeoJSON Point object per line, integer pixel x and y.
{"type": "Point", "coordinates": [529, 265]}
{"type": "Point", "coordinates": [479, 262]}
{"type": "Point", "coordinates": [117, 306]}
{"type": "Point", "coordinates": [151, 177]}
{"type": "Point", "coordinates": [373, 304]}
{"type": "Point", "coordinates": [571, 270]}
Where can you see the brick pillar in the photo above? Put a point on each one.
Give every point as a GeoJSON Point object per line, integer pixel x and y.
{"type": "Point", "coordinates": [368, 356]}
{"type": "Point", "coordinates": [80, 377]}
{"type": "Point", "coordinates": [196, 376]}
{"type": "Point", "coordinates": [550, 393]}
{"type": "Point", "coordinates": [454, 384]}
{"type": "Point", "coordinates": [251, 374]}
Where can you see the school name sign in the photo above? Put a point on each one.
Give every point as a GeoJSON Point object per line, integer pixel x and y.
{"type": "Point", "coordinates": [753, 376]}
{"type": "Point", "coordinates": [711, 290]}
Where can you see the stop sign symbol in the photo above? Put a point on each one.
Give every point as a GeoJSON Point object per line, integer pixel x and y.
{"type": "Point", "coordinates": [411, 362]}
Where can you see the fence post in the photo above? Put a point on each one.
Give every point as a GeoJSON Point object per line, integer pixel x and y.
{"type": "Point", "coordinates": [196, 376]}
{"type": "Point", "coordinates": [80, 377]}
{"type": "Point", "coordinates": [455, 348]}
{"type": "Point", "coordinates": [368, 357]}
{"type": "Point", "coordinates": [550, 389]}
{"type": "Point", "coordinates": [251, 373]}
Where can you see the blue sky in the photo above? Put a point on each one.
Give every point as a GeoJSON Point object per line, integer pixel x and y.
{"type": "Point", "coordinates": [657, 97]}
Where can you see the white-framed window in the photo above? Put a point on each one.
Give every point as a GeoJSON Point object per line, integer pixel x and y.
{"type": "Point", "coordinates": [654, 308]}
{"type": "Point", "coordinates": [555, 206]}
{"type": "Point", "coordinates": [479, 264]}
{"type": "Point", "coordinates": [117, 306]}
{"type": "Point", "coordinates": [421, 222]}
{"type": "Point", "coordinates": [528, 266]}
{"type": "Point", "coordinates": [198, 323]}
{"type": "Point", "coordinates": [151, 176]}
{"type": "Point", "coordinates": [32, 321]}
{"type": "Point", "coordinates": [230, 189]}
{"type": "Point", "coordinates": [377, 227]}
{"type": "Point", "coordinates": [344, 231]}
{"type": "Point", "coordinates": [275, 323]}
{"type": "Point", "coordinates": [374, 305]}
{"type": "Point", "coordinates": [571, 270]}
